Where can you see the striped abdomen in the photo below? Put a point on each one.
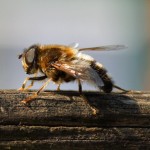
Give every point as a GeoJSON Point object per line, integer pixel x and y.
{"type": "Point", "coordinates": [102, 72]}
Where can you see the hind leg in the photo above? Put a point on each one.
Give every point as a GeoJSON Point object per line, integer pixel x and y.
{"type": "Point", "coordinates": [94, 110]}
{"type": "Point", "coordinates": [121, 89]}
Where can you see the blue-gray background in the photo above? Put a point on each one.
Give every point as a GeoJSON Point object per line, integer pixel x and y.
{"type": "Point", "coordinates": [88, 22]}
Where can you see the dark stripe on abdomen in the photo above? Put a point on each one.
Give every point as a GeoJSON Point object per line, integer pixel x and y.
{"type": "Point", "coordinates": [102, 72]}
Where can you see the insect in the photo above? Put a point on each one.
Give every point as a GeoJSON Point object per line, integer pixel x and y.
{"type": "Point", "coordinates": [60, 63]}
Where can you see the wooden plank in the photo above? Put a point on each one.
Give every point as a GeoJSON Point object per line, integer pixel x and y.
{"type": "Point", "coordinates": [69, 109]}
{"type": "Point", "coordinates": [63, 120]}
{"type": "Point", "coordinates": [73, 137]}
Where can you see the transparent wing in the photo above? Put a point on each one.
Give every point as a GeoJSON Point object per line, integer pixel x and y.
{"type": "Point", "coordinates": [74, 45]}
{"type": "Point", "coordinates": [80, 70]}
{"type": "Point", "coordinates": [104, 48]}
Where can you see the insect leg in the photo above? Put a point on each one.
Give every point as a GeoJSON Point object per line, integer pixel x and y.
{"type": "Point", "coordinates": [85, 99]}
{"type": "Point", "coordinates": [58, 87]}
{"type": "Point", "coordinates": [119, 88]}
{"type": "Point", "coordinates": [32, 79]}
{"type": "Point", "coordinates": [28, 87]}
{"type": "Point", "coordinates": [76, 74]}
{"type": "Point", "coordinates": [80, 86]}
{"type": "Point", "coordinates": [24, 84]}
{"type": "Point", "coordinates": [36, 94]}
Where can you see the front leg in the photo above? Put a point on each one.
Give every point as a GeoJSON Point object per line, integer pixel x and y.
{"type": "Point", "coordinates": [24, 84]}
{"type": "Point", "coordinates": [30, 98]}
{"type": "Point", "coordinates": [32, 79]}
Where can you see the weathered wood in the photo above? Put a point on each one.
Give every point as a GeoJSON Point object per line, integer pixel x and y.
{"type": "Point", "coordinates": [69, 109]}
{"type": "Point", "coordinates": [63, 120]}
{"type": "Point", "coordinates": [74, 137]}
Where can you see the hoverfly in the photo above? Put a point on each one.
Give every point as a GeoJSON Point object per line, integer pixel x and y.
{"type": "Point", "coordinates": [60, 63]}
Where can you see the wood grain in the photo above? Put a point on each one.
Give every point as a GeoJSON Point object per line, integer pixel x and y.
{"type": "Point", "coordinates": [63, 120]}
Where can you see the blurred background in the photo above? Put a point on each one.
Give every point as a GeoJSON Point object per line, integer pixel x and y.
{"type": "Point", "coordinates": [87, 22]}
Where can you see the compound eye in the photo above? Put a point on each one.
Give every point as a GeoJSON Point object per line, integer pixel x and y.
{"type": "Point", "coordinates": [29, 56]}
